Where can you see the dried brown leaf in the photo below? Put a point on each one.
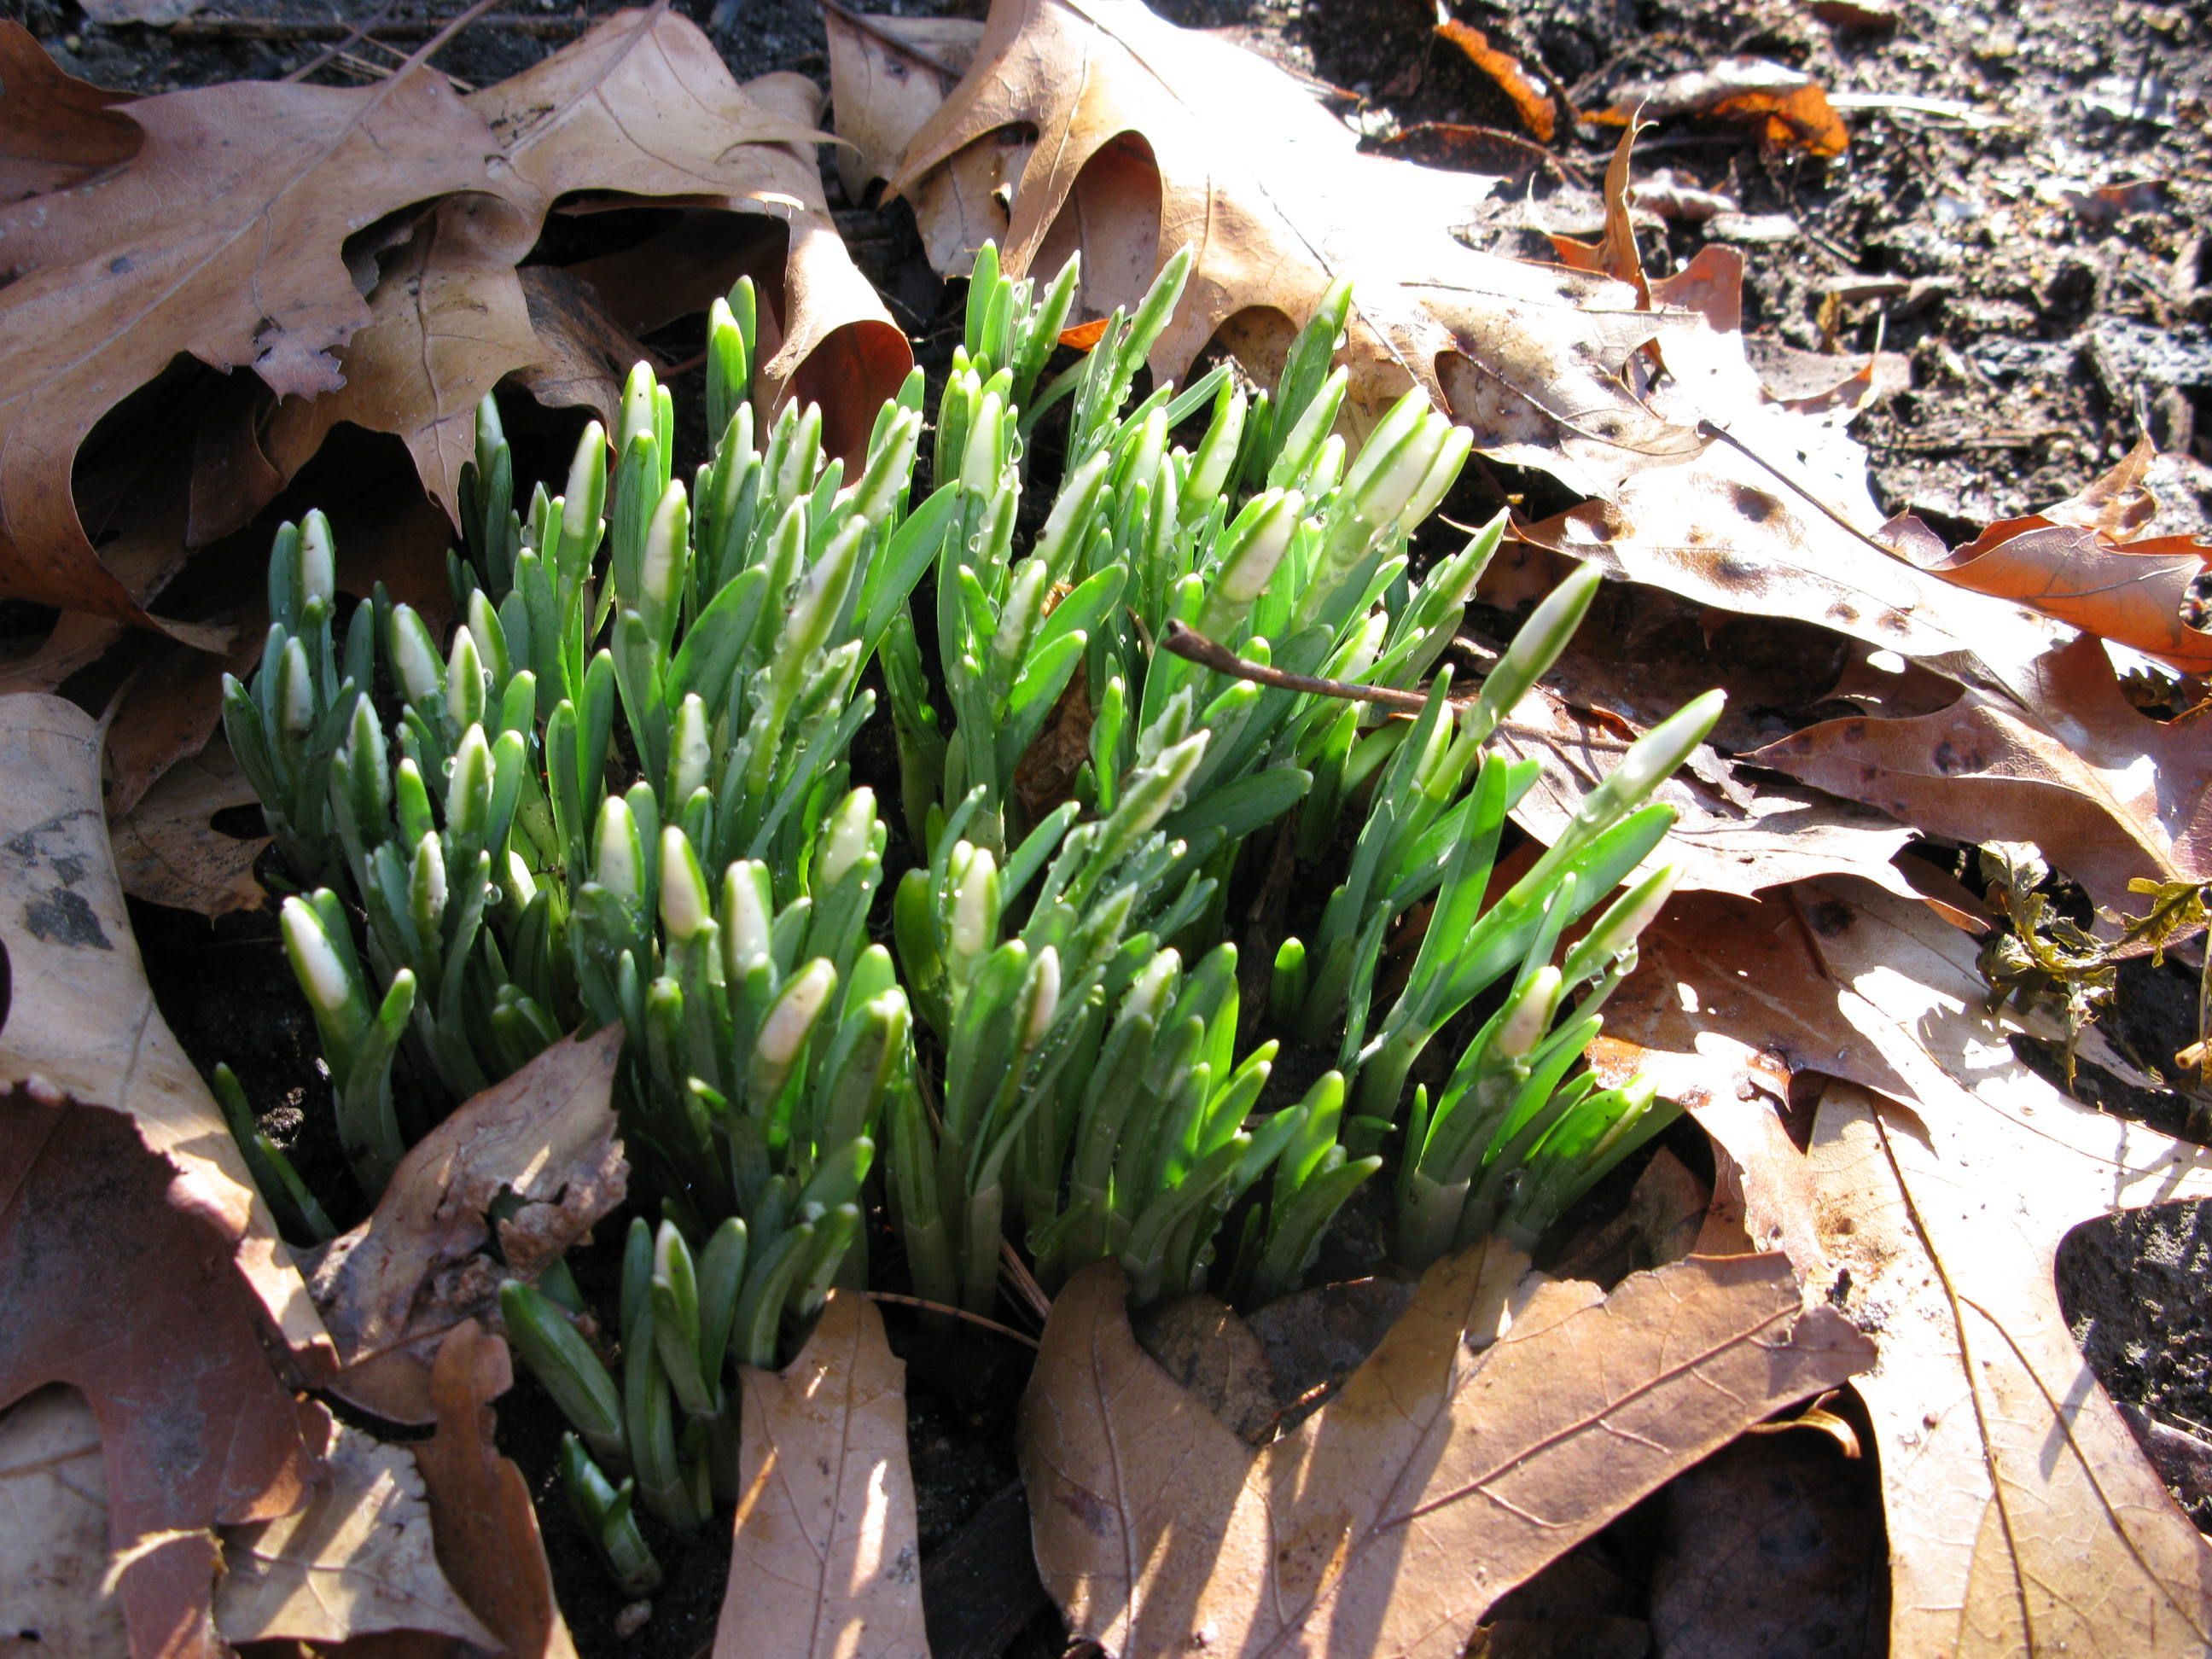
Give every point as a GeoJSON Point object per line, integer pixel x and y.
{"type": "Point", "coordinates": [123, 1282]}
{"type": "Point", "coordinates": [168, 852]}
{"type": "Point", "coordinates": [221, 237]}
{"type": "Point", "coordinates": [481, 1516]}
{"type": "Point", "coordinates": [2022, 1515]}
{"type": "Point", "coordinates": [422, 1264]}
{"type": "Point", "coordinates": [2086, 563]}
{"type": "Point", "coordinates": [82, 1019]}
{"type": "Point", "coordinates": [1791, 110]}
{"type": "Point", "coordinates": [1536, 107]}
{"type": "Point", "coordinates": [1152, 136]}
{"type": "Point", "coordinates": [1449, 1469]}
{"type": "Point", "coordinates": [356, 1558]}
{"type": "Point", "coordinates": [55, 129]}
{"type": "Point", "coordinates": [824, 1559]}
{"type": "Point", "coordinates": [2108, 794]}
{"type": "Point", "coordinates": [887, 76]}
{"type": "Point", "coordinates": [53, 1531]}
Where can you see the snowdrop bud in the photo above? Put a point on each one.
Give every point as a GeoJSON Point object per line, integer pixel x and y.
{"type": "Point", "coordinates": [1442, 473]}
{"type": "Point", "coordinates": [975, 900]}
{"type": "Point", "coordinates": [321, 971]}
{"type": "Point", "coordinates": [978, 465]}
{"type": "Point", "coordinates": [888, 468]}
{"type": "Point", "coordinates": [296, 690]}
{"type": "Point", "coordinates": [1528, 1016]}
{"type": "Point", "coordinates": [852, 836]}
{"type": "Point", "coordinates": [1257, 541]}
{"type": "Point", "coordinates": [748, 924]}
{"type": "Point", "coordinates": [464, 679]}
{"type": "Point", "coordinates": [616, 851]}
{"type": "Point", "coordinates": [1393, 465]}
{"type": "Point", "coordinates": [318, 560]}
{"type": "Point", "coordinates": [1217, 452]}
{"type": "Point", "coordinates": [414, 657]}
{"type": "Point", "coordinates": [427, 881]}
{"type": "Point", "coordinates": [1059, 543]}
{"type": "Point", "coordinates": [1622, 925]}
{"type": "Point", "coordinates": [519, 882]}
{"type": "Point", "coordinates": [1309, 434]}
{"type": "Point", "coordinates": [468, 790]}
{"type": "Point", "coordinates": [791, 1018]}
{"type": "Point", "coordinates": [685, 907]}
{"type": "Point", "coordinates": [1327, 468]}
{"type": "Point", "coordinates": [802, 455]}
{"type": "Point", "coordinates": [1018, 619]}
{"type": "Point", "coordinates": [637, 407]}
{"type": "Point", "coordinates": [1044, 996]}
{"type": "Point", "coordinates": [1150, 991]}
{"type": "Point", "coordinates": [661, 575]}
{"type": "Point", "coordinates": [587, 491]}
{"type": "Point", "coordinates": [1655, 756]}
{"type": "Point", "coordinates": [1141, 461]}
{"type": "Point", "coordinates": [689, 750]}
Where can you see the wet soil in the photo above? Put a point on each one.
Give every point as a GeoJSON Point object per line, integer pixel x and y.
{"type": "Point", "coordinates": [2022, 215]}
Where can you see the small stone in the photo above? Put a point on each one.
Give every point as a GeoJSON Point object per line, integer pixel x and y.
{"type": "Point", "coordinates": [632, 1618]}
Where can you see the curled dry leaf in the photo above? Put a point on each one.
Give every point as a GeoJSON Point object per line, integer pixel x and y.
{"type": "Point", "coordinates": [83, 1019]}
{"type": "Point", "coordinates": [356, 1558]}
{"type": "Point", "coordinates": [887, 76]}
{"type": "Point", "coordinates": [221, 236]}
{"type": "Point", "coordinates": [1538, 113]}
{"type": "Point", "coordinates": [2085, 562]}
{"type": "Point", "coordinates": [1789, 109]}
{"type": "Point", "coordinates": [1504, 1418]}
{"type": "Point", "coordinates": [423, 1263]}
{"type": "Point", "coordinates": [481, 1516]}
{"type": "Point", "coordinates": [156, 1327]}
{"type": "Point", "coordinates": [168, 852]}
{"type": "Point", "coordinates": [53, 1530]}
{"type": "Point", "coordinates": [2107, 792]}
{"type": "Point", "coordinates": [1150, 137]}
{"type": "Point", "coordinates": [824, 1559]}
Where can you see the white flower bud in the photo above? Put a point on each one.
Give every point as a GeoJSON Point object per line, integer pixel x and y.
{"type": "Point", "coordinates": [464, 677]}
{"type": "Point", "coordinates": [689, 745]}
{"type": "Point", "coordinates": [748, 929]}
{"type": "Point", "coordinates": [638, 413]}
{"type": "Point", "coordinates": [298, 687]}
{"type": "Point", "coordinates": [316, 961]}
{"type": "Point", "coordinates": [578, 504]}
{"type": "Point", "coordinates": [661, 575]}
{"type": "Point", "coordinates": [852, 836]}
{"type": "Point", "coordinates": [428, 880]}
{"type": "Point", "coordinates": [684, 908]}
{"type": "Point", "coordinates": [790, 1021]}
{"type": "Point", "coordinates": [1245, 577]}
{"type": "Point", "coordinates": [318, 560]}
{"type": "Point", "coordinates": [1530, 1015]}
{"type": "Point", "coordinates": [974, 903]}
{"type": "Point", "coordinates": [615, 863]}
{"type": "Point", "coordinates": [1044, 976]}
{"type": "Point", "coordinates": [414, 658]}
{"type": "Point", "coordinates": [979, 463]}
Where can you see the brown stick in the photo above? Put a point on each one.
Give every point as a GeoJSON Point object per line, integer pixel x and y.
{"type": "Point", "coordinates": [1194, 646]}
{"type": "Point", "coordinates": [417, 28]}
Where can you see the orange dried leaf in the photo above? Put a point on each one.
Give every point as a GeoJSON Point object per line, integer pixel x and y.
{"type": "Point", "coordinates": [1530, 102]}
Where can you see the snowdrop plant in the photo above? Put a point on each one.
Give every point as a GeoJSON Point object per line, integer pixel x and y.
{"type": "Point", "coordinates": [623, 794]}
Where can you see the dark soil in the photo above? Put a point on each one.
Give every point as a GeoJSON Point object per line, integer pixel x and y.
{"type": "Point", "coordinates": [2046, 326]}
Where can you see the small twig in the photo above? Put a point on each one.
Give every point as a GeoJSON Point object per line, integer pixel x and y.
{"type": "Point", "coordinates": [1194, 646]}
{"type": "Point", "coordinates": [1016, 1271]}
{"type": "Point", "coordinates": [358, 33]}
{"type": "Point", "coordinates": [1007, 1331]}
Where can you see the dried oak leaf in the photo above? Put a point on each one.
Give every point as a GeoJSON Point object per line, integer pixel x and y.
{"type": "Point", "coordinates": [354, 1560]}
{"type": "Point", "coordinates": [421, 1264]}
{"type": "Point", "coordinates": [83, 1019]}
{"type": "Point", "coordinates": [2022, 1515]}
{"type": "Point", "coordinates": [2107, 792]}
{"type": "Point", "coordinates": [1504, 1418]}
{"type": "Point", "coordinates": [825, 1559]}
{"type": "Point", "coordinates": [53, 1531]}
{"type": "Point", "coordinates": [167, 850]}
{"type": "Point", "coordinates": [122, 1282]}
{"type": "Point", "coordinates": [221, 237]}
{"type": "Point", "coordinates": [481, 1516]}
{"type": "Point", "coordinates": [1149, 137]}
{"type": "Point", "coordinates": [59, 130]}
{"type": "Point", "coordinates": [887, 76]}
{"type": "Point", "coordinates": [2086, 562]}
